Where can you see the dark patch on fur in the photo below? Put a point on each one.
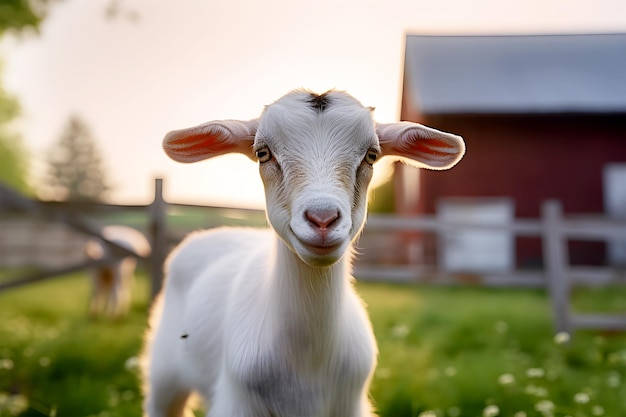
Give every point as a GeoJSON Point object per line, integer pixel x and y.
{"type": "Point", "coordinates": [319, 102]}
{"type": "Point", "coordinates": [277, 388]}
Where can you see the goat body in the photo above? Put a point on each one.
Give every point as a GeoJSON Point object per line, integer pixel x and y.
{"type": "Point", "coordinates": [112, 283]}
{"type": "Point", "coordinates": [266, 322]}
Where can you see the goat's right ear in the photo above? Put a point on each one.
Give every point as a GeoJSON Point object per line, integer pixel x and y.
{"type": "Point", "coordinates": [211, 139]}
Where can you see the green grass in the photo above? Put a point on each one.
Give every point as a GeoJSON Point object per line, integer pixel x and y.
{"type": "Point", "coordinates": [455, 351]}
{"type": "Point", "coordinates": [444, 352]}
{"type": "Point", "coordinates": [58, 362]}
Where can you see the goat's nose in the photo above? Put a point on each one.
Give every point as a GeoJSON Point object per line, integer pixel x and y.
{"type": "Point", "coordinates": [322, 218]}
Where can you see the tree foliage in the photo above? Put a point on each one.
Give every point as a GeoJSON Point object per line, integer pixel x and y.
{"type": "Point", "coordinates": [13, 157]}
{"type": "Point", "coordinates": [21, 14]}
{"type": "Point", "coordinates": [15, 15]}
{"type": "Point", "coordinates": [18, 16]}
{"type": "Point", "coordinates": [75, 167]}
{"type": "Point", "coordinates": [13, 166]}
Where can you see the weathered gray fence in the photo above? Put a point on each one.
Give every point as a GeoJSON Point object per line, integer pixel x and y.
{"type": "Point", "coordinates": [553, 228]}
{"type": "Point", "coordinates": [50, 213]}
{"type": "Point", "coordinates": [67, 217]}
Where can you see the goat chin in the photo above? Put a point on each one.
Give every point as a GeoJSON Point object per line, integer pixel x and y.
{"type": "Point", "coordinates": [267, 322]}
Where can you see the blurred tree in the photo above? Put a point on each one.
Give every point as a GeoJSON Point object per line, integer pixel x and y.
{"type": "Point", "coordinates": [15, 15]}
{"type": "Point", "coordinates": [18, 16]}
{"type": "Point", "coordinates": [13, 158]}
{"type": "Point", "coordinates": [115, 10]}
{"type": "Point", "coordinates": [21, 14]}
{"type": "Point", "coordinates": [75, 168]}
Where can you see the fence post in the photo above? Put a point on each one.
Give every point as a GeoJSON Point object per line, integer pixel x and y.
{"type": "Point", "coordinates": [158, 237]}
{"type": "Point", "coordinates": [556, 260]}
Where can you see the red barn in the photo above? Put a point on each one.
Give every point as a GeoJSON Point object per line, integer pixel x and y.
{"type": "Point", "coordinates": [543, 117]}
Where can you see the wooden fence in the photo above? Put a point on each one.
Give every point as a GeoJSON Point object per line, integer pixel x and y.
{"type": "Point", "coordinates": [558, 276]}
{"type": "Point", "coordinates": [67, 217]}
{"type": "Point", "coordinates": [553, 228]}
{"type": "Point", "coordinates": [75, 217]}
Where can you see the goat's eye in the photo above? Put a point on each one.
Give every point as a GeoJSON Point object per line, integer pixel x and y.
{"type": "Point", "coordinates": [263, 154]}
{"type": "Point", "coordinates": [371, 156]}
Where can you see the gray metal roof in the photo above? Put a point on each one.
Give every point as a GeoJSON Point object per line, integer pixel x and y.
{"type": "Point", "coordinates": [517, 74]}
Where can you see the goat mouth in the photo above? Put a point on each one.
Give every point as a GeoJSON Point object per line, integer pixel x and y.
{"type": "Point", "coordinates": [320, 255]}
{"type": "Point", "coordinates": [321, 249]}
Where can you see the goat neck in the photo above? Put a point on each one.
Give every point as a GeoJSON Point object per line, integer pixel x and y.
{"type": "Point", "coordinates": [306, 300]}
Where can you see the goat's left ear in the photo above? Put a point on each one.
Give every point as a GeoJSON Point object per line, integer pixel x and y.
{"type": "Point", "coordinates": [420, 145]}
{"type": "Point", "coordinates": [211, 139]}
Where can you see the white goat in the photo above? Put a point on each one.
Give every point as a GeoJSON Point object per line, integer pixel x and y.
{"type": "Point", "coordinates": [112, 283]}
{"type": "Point", "coordinates": [266, 323]}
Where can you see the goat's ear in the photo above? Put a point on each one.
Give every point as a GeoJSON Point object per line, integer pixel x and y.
{"type": "Point", "coordinates": [211, 139]}
{"type": "Point", "coordinates": [419, 145]}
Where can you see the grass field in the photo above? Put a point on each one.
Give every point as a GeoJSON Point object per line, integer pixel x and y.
{"type": "Point", "coordinates": [443, 352]}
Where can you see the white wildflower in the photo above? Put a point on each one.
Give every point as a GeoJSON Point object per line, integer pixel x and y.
{"type": "Point", "coordinates": [132, 364]}
{"type": "Point", "coordinates": [501, 326]}
{"type": "Point", "coordinates": [618, 357]}
{"type": "Point", "coordinates": [14, 404]}
{"type": "Point", "coordinates": [450, 371]}
{"type": "Point", "coordinates": [6, 364]}
{"type": "Point", "coordinates": [597, 410]}
{"type": "Point", "coordinates": [581, 398]}
{"type": "Point", "coordinates": [427, 413]}
{"type": "Point", "coordinates": [545, 407]}
{"type": "Point", "coordinates": [614, 379]}
{"type": "Point", "coordinates": [520, 414]}
{"type": "Point", "coordinates": [506, 379]}
{"type": "Point", "coordinates": [491, 411]}
{"type": "Point", "coordinates": [536, 391]}
{"type": "Point", "coordinates": [400, 331]}
{"type": "Point", "coordinates": [535, 372]}
{"type": "Point", "coordinates": [561, 338]}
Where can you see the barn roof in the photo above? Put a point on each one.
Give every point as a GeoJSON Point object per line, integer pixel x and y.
{"type": "Point", "coordinates": [517, 74]}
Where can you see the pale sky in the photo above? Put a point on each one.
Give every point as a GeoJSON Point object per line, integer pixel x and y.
{"type": "Point", "coordinates": [189, 61]}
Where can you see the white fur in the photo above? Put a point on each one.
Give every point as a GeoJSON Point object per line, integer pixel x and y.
{"type": "Point", "coordinates": [112, 283]}
{"type": "Point", "coordinates": [266, 323]}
